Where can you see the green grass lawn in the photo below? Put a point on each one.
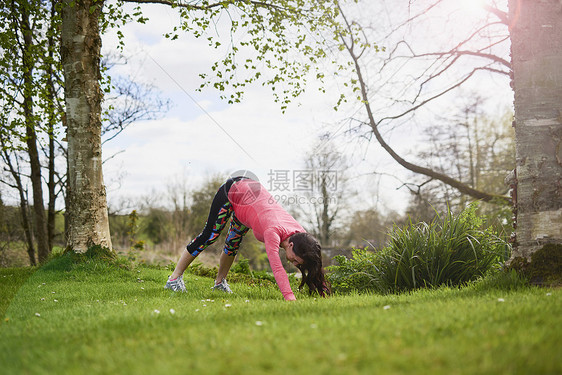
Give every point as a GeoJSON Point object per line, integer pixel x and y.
{"type": "Point", "coordinates": [100, 319]}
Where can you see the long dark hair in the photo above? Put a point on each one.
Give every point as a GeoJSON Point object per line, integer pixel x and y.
{"type": "Point", "coordinates": [308, 248]}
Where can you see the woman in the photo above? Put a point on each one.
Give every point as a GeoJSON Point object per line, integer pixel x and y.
{"type": "Point", "coordinates": [252, 206]}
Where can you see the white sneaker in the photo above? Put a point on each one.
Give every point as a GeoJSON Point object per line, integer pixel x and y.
{"type": "Point", "coordinates": [176, 285]}
{"type": "Point", "coordinates": [222, 286]}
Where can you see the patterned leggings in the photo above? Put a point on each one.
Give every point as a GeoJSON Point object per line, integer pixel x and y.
{"type": "Point", "coordinates": [221, 210]}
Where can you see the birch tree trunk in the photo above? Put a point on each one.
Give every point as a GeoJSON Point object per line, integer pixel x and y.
{"type": "Point", "coordinates": [536, 37]}
{"type": "Point", "coordinates": [80, 53]}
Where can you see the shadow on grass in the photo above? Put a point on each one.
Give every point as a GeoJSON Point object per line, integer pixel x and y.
{"type": "Point", "coordinates": [11, 280]}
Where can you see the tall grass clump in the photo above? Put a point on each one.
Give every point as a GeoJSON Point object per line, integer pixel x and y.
{"type": "Point", "coordinates": [452, 251]}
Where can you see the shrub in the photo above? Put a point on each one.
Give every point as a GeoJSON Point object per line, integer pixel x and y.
{"type": "Point", "coordinates": [240, 272]}
{"type": "Point", "coordinates": [360, 273]}
{"type": "Point", "coordinates": [241, 266]}
{"type": "Point", "coordinates": [449, 252]}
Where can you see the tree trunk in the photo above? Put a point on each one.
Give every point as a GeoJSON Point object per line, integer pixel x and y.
{"type": "Point", "coordinates": [31, 140]}
{"type": "Point", "coordinates": [80, 53]}
{"type": "Point", "coordinates": [52, 98]}
{"type": "Point", "coordinates": [51, 212]}
{"type": "Point", "coordinates": [536, 51]}
{"type": "Point", "coordinates": [13, 169]}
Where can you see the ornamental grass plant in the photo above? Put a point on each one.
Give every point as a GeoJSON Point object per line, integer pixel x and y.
{"type": "Point", "coordinates": [452, 251]}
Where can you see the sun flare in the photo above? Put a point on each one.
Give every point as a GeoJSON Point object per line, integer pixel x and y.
{"type": "Point", "coordinates": [472, 5]}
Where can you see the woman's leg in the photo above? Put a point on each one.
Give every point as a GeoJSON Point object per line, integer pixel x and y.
{"type": "Point", "coordinates": [234, 238]}
{"type": "Point", "coordinates": [219, 214]}
{"type": "Point", "coordinates": [184, 261]}
{"type": "Point", "coordinates": [225, 263]}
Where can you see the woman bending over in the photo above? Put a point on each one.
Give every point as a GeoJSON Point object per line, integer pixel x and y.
{"type": "Point", "coordinates": [251, 206]}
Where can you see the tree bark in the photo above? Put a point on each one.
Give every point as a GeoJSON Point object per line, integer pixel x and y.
{"type": "Point", "coordinates": [31, 140]}
{"type": "Point", "coordinates": [536, 49]}
{"type": "Point", "coordinates": [52, 98]}
{"type": "Point", "coordinates": [80, 53]}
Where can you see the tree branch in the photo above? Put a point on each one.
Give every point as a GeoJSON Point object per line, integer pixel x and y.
{"type": "Point", "coordinates": [182, 4]}
{"type": "Point", "coordinates": [463, 188]}
{"type": "Point", "coordinates": [498, 13]}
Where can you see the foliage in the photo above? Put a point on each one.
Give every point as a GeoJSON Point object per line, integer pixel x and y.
{"type": "Point", "coordinates": [240, 272]}
{"type": "Point", "coordinates": [132, 226]}
{"type": "Point", "coordinates": [360, 273]}
{"type": "Point", "coordinates": [241, 266]}
{"type": "Point", "coordinates": [451, 252]}
{"type": "Point", "coordinates": [27, 31]}
{"type": "Point", "coordinates": [260, 41]}
{"type": "Point", "coordinates": [199, 269]}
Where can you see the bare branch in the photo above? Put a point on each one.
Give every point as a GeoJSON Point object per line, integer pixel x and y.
{"type": "Point", "coordinates": [412, 109]}
{"type": "Point", "coordinates": [463, 188]}
{"type": "Point", "coordinates": [498, 13]}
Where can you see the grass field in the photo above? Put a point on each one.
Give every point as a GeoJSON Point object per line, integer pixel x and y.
{"type": "Point", "coordinates": [101, 319]}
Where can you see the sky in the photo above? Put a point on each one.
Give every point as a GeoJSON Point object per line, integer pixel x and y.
{"type": "Point", "coordinates": [201, 135]}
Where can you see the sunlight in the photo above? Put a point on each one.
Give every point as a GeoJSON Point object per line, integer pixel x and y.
{"type": "Point", "coordinates": [472, 6]}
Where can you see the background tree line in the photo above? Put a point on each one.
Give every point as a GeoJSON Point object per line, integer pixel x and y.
{"type": "Point", "coordinates": [157, 227]}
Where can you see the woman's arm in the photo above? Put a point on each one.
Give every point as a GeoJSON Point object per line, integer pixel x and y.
{"type": "Point", "coordinates": [272, 243]}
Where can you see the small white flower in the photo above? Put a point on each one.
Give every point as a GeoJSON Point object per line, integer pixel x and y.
{"type": "Point", "coordinates": [204, 305]}
{"type": "Point", "coordinates": [227, 305]}
{"type": "Point", "coordinates": [208, 300]}
{"type": "Point", "coordinates": [53, 292]}
{"type": "Point", "coordinates": [548, 294]}
{"type": "Point", "coordinates": [259, 323]}
{"type": "Point", "coordinates": [501, 300]}
{"type": "Point", "coordinates": [172, 311]}
{"type": "Point", "coordinates": [386, 307]}
{"type": "Point", "coordinates": [196, 310]}
{"type": "Point", "coordinates": [142, 288]}
{"type": "Point", "coordinates": [156, 311]}
{"type": "Point", "coordinates": [247, 301]}
{"type": "Point", "coordinates": [38, 315]}
{"type": "Point", "coordinates": [42, 299]}
{"type": "Point", "coordinates": [55, 300]}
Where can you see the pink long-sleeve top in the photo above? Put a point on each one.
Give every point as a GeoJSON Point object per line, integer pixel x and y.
{"type": "Point", "coordinates": [254, 206]}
